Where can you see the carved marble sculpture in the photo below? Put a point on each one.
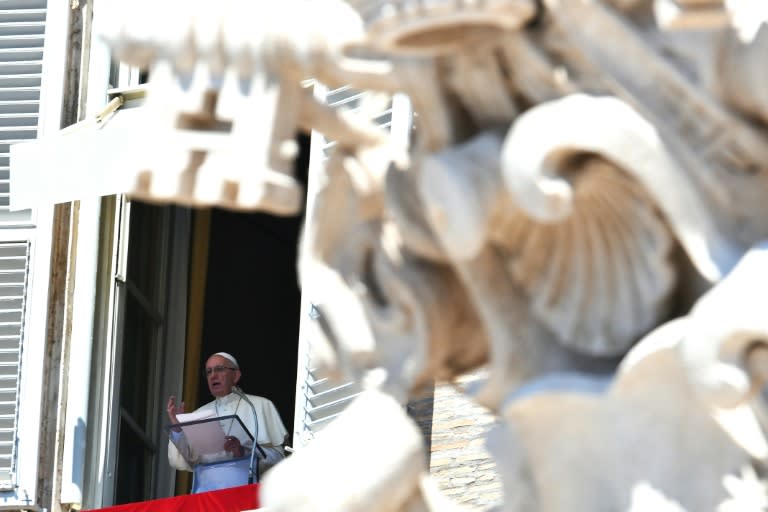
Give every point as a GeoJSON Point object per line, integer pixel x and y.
{"type": "Point", "coordinates": [583, 178]}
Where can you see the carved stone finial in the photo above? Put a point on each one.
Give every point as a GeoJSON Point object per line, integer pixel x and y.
{"type": "Point", "coordinates": [439, 26]}
{"type": "Point", "coordinates": [688, 14]}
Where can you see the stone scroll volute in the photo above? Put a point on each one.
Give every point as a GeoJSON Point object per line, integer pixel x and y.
{"type": "Point", "coordinates": [581, 180]}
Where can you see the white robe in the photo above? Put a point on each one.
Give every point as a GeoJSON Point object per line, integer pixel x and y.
{"type": "Point", "coordinates": [269, 431]}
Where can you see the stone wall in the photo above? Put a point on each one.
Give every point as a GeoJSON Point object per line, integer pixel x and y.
{"type": "Point", "coordinates": [454, 429]}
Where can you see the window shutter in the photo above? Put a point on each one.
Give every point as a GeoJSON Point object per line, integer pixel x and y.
{"type": "Point", "coordinates": [22, 33]}
{"type": "Point", "coordinates": [14, 264]}
{"type": "Point", "coordinates": [319, 399]}
{"type": "Point", "coordinates": [22, 37]}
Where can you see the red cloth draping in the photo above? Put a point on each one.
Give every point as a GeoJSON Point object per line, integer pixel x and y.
{"type": "Point", "coordinates": [232, 499]}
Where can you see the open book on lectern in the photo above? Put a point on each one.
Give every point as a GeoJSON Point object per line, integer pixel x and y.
{"type": "Point", "coordinates": [205, 434]}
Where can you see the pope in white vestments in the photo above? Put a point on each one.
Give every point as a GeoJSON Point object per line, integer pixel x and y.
{"type": "Point", "coordinates": [222, 373]}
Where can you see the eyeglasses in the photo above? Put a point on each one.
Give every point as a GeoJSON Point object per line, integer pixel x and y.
{"type": "Point", "coordinates": [217, 370]}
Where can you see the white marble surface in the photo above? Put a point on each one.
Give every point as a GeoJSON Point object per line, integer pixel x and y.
{"type": "Point", "coordinates": [583, 177]}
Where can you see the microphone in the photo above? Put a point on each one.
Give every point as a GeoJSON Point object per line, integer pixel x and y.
{"type": "Point", "coordinates": [256, 446]}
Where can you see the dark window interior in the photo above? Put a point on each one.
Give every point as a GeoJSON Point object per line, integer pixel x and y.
{"type": "Point", "coordinates": [252, 304]}
{"type": "Point", "coordinates": [252, 299]}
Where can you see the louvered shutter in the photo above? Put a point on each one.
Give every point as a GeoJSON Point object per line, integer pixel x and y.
{"type": "Point", "coordinates": [22, 36]}
{"type": "Point", "coordinates": [319, 399]}
{"type": "Point", "coordinates": [22, 33]}
{"type": "Point", "coordinates": [14, 263]}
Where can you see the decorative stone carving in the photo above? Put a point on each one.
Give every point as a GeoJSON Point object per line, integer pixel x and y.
{"type": "Point", "coordinates": [399, 481]}
{"type": "Point", "coordinates": [686, 396]}
{"type": "Point", "coordinates": [691, 14]}
{"type": "Point", "coordinates": [582, 180]}
{"type": "Point", "coordinates": [439, 26]}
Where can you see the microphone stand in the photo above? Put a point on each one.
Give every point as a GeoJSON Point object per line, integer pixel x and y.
{"type": "Point", "coordinates": [255, 435]}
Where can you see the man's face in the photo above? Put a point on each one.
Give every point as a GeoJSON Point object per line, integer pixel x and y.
{"type": "Point", "coordinates": [220, 382]}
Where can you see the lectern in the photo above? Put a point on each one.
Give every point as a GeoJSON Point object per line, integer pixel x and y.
{"type": "Point", "coordinates": [201, 442]}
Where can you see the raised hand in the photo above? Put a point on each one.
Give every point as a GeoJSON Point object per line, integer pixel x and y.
{"type": "Point", "coordinates": [172, 409]}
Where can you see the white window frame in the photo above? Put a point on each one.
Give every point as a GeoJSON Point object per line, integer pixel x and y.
{"type": "Point", "coordinates": [33, 342]}
{"type": "Point", "coordinates": [39, 234]}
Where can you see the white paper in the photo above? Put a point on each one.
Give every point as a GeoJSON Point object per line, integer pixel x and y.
{"type": "Point", "coordinates": [204, 438]}
{"type": "Point", "coordinates": [195, 415]}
